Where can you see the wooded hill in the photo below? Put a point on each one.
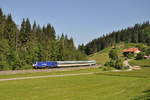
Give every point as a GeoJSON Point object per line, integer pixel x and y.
{"type": "Point", "coordinates": [139, 33]}
{"type": "Point", "coordinates": [21, 47]}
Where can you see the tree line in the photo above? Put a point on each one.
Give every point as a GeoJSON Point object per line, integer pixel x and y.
{"type": "Point", "coordinates": [22, 46]}
{"type": "Point", "coordinates": [139, 33]}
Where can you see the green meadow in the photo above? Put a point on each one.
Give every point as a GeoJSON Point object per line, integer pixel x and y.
{"type": "Point", "coordinates": [144, 62]}
{"type": "Point", "coordinates": [133, 85]}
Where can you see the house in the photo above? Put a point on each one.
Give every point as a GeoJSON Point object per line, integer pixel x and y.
{"type": "Point", "coordinates": [128, 51]}
{"type": "Point", "coordinates": [131, 50]}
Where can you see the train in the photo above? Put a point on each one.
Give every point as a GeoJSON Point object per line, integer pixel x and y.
{"type": "Point", "coordinates": [58, 64]}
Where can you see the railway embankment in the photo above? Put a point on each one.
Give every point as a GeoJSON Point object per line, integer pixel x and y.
{"type": "Point", "coordinates": [45, 70]}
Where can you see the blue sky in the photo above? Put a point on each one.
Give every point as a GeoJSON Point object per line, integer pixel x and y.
{"type": "Point", "coordinates": [83, 20]}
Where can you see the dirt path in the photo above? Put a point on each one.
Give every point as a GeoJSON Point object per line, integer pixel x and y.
{"type": "Point", "coordinates": [35, 77]}
{"type": "Point", "coordinates": [126, 63]}
{"type": "Point", "coordinates": [45, 70]}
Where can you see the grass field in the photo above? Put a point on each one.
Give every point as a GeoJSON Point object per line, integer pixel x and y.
{"type": "Point", "coordinates": [142, 63]}
{"type": "Point", "coordinates": [132, 85]}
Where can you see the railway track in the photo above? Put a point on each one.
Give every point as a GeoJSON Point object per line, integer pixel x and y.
{"type": "Point", "coordinates": [46, 70]}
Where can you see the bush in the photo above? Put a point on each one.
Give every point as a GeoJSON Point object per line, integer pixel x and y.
{"type": "Point", "coordinates": [128, 55]}
{"type": "Point", "coordinates": [148, 51]}
{"type": "Point", "coordinates": [4, 65]}
{"type": "Point", "coordinates": [107, 63]}
{"type": "Point", "coordinates": [140, 55]}
{"type": "Point", "coordinates": [125, 67]}
{"type": "Point", "coordinates": [27, 66]}
{"type": "Point", "coordinates": [118, 64]}
{"type": "Point", "coordinates": [104, 69]}
{"type": "Point", "coordinates": [115, 63]}
{"type": "Point", "coordinates": [113, 54]}
{"type": "Point", "coordinates": [107, 68]}
{"type": "Point", "coordinates": [16, 67]}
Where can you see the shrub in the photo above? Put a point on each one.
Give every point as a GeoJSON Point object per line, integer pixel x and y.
{"type": "Point", "coordinates": [125, 67]}
{"type": "Point", "coordinates": [128, 55]}
{"type": "Point", "coordinates": [4, 65]}
{"type": "Point", "coordinates": [113, 54]}
{"type": "Point", "coordinates": [140, 55]}
{"type": "Point", "coordinates": [115, 63]}
{"type": "Point", "coordinates": [27, 66]}
{"type": "Point", "coordinates": [107, 68]}
{"type": "Point", "coordinates": [148, 51]}
{"type": "Point", "coordinates": [118, 64]}
{"type": "Point", "coordinates": [107, 63]}
{"type": "Point", "coordinates": [104, 68]}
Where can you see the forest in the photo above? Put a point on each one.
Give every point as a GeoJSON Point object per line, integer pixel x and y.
{"type": "Point", "coordinates": [22, 45]}
{"type": "Point", "coordinates": [139, 33]}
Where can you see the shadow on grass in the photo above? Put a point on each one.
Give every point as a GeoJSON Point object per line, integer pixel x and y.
{"type": "Point", "coordinates": [145, 96]}
{"type": "Point", "coordinates": [119, 75]}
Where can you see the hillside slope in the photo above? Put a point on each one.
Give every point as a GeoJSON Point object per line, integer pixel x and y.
{"type": "Point", "coordinates": [102, 56]}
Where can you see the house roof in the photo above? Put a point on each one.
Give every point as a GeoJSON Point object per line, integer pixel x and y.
{"type": "Point", "coordinates": [131, 50]}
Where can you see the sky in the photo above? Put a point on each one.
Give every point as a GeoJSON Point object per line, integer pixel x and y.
{"type": "Point", "coordinates": [84, 20]}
